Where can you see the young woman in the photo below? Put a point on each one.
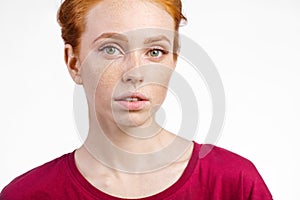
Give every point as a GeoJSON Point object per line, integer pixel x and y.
{"type": "Point", "coordinates": [123, 52]}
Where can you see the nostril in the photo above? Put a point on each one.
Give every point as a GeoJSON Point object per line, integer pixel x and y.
{"type": "Point", "coordinates": [133, 78]}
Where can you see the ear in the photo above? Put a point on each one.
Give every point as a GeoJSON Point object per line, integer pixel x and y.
{"type": "Point", "coordinates": [73, 64]}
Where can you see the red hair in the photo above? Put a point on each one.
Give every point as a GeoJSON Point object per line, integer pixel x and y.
{"type": "Point", "coordinates": [72, 13]}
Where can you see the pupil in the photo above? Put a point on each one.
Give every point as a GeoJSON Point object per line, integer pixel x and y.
{"type": "Point", "coordinates": [110, 50]}
{"type": "Point", "coordinates": [154, 53]}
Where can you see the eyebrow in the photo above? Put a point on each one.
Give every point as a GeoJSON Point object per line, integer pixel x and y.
{"type": "Point", "coordinates": [157, 39]}
{"type": "Point", "coordinates": [122, 37]}
{"type": "Point", "coordinates": [111, 35]}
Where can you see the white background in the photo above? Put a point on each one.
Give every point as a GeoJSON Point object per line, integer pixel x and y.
{"type": "Point", "coordinates": [254, 44]}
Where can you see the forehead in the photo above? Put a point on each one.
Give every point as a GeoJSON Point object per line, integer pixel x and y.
{"type": "Point", "coordinates": [123, 16]}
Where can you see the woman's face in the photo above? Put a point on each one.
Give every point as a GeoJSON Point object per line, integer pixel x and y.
{"type": "Point", "coordinates": [126, 60]}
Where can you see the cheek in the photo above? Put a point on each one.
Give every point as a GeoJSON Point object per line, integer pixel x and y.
{"type": "Point", "coordinates": [107, 82]}
{"type": "Point", "coordinates": [156, 92]}
{"type": "Point", "coordinates": [110, 76]}
{"type": "Point", "coordinates": [160, 93]}
{"type": "Point", "coordinates": [169, 61]}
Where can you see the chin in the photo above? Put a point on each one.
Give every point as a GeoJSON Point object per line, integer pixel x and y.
{"type": "Point", "coordinates": [133, 120]}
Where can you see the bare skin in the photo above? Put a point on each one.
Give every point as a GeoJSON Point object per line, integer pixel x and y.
{"type": "Point", "coordinates": [99, 67]}
{"type": "Point", "coordinates": [128, 185]}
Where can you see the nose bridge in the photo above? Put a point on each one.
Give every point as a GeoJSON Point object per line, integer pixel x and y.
{"type": "Point", "coordinates": [133, 59]}
{"type": "Point", "coordinates": [132, 73]}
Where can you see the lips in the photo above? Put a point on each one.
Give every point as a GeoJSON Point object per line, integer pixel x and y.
{"type": "Point", "coordinates": [132, 101]}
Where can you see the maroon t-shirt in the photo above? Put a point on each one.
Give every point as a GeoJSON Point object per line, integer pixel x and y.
{"type": "Point", "coordinates": [219, 175]}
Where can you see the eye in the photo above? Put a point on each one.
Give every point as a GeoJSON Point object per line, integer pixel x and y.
{"type": "Point", "coordinates": [110, 50]}
{"type": "Point", "coordinates": [156, 53]}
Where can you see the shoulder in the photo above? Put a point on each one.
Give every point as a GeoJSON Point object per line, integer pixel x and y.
{"type": "Point", "coordinates": [219, 158]}
{"type": "Point", "coordinates": [227, 164]}
{"type": "Point", "coordinates": [223, 170]}
{"type": "Point", "coordinates": [37, 180]}
{"type": "Point", "coordinates": [225, 159]}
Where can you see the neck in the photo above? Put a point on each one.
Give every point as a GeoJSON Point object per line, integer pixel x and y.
{"type": "Point", "coordinates": [122, 148]}
{"type": "Point", "coordinates": [145, 138]}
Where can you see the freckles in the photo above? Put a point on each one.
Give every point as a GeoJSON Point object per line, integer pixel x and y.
{"type": "Point", "coordinates": [110, 77]}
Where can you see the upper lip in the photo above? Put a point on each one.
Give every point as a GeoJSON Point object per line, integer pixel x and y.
{"type": "Point", "coordinates": [126, 95]}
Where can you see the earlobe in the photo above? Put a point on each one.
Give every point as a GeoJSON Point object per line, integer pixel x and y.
{"type": "Point", "coordinates": [73, 64]}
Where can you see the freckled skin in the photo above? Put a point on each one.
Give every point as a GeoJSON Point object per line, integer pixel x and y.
{"type": "Point", "coordinates": [119, 16]}
{"type": "Point", "coordinates": [105, 76]}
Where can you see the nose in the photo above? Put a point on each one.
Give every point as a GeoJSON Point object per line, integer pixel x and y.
{"type": "Point", "coordinates": [132, 73]}
{"type": "Point", "coordinates": [133, 76]}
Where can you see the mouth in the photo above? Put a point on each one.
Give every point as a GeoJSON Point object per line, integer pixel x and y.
{"type": "Point", "coordinates": [132, 101]}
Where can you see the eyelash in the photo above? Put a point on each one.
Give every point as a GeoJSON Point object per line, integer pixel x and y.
{"type": "Point", "coordinates": [162, 51]}
{"type": "Point", "coordinates": [102, 49]}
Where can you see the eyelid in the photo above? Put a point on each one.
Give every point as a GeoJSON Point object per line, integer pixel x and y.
{"type": "Point", "coordinates": [160, 46]}
{"type": "Point", "coordinates": [162, 49]}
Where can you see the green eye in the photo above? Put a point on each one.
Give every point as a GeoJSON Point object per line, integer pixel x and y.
{"type": "Point", "coordinates": [155, 53]}
{"type": "Point", "coordinates": [111, 50]}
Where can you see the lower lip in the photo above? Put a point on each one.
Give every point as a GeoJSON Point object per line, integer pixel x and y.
{"type": "Point", "coordinates": [133, 105]}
